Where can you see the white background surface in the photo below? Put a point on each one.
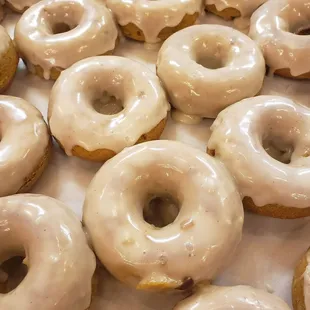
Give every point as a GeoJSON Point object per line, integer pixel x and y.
{"type": "Point", "coordinates": [270, 248]}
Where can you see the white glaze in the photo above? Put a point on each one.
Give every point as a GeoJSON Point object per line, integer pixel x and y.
{"type": "Point", "coordinates": [245, 7]}
{"type": "Point", "coordinates": [273, 26]}
{"type": "Point", "coordinates": [197, 244]}
{"type": "Point", "coordinates": [153, 16]}
{"type": "Point", "coordinates": [235, 297]}
{"type": "Point", "coordinates": [5, 40]}
{"type": "Point", "coordinates": [237, 137]}
{"type": "Point", "coordinates": [95, 33]}
{"type": "Point", "coordinates": [197, 90]}
{"type": "Point", "coordinates": [181, 117]}
{"type": "Point", "coordinates": [60, 262]}
{"type": "Point", "coordinates": [74, 121]}
{"type": "Point", "coordinates": [24, 140]}
{"type": "Point", "coordinates": [21, 5]}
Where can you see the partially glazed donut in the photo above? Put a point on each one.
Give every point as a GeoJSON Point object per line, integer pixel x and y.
{"type": "Point", "coordinates": [264, 142]}
{"type": "Point", "coordinates": [154, 21]}
{"type": "Point", "coordinates": [54, 34]}
{"type": "Point", "coordinates": [194, 247]}
{"type": "Point", "coordinates": [278, 27]}
{"type": "Point", "coordinates": [84, 123]}
{"type": "Point", "coordinates": [8, 59]}
{"type": "Point", "coordinates": [20, 6]}
{"type": "Point", "coordinates": [206, 68]}
{"type": "Point", "coordinates": [235, 297]}
{"type": "Point", "coordinates": [25, 145]}
{"type": "Point", "coordinates": [60, 262]}
{"type": "Point", "coordinates": [229, 9]}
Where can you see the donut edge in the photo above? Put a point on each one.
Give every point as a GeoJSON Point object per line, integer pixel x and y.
{"type": "Point", "coordinates": [226, 14]}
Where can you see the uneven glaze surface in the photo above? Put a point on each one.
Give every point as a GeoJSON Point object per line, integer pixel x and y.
{"type": "Point", "coordinates": [93, 32]}
{"type": "Point", "coordinates": [21, 5]}
{"type": "Point", "coordinates": [24, 139]}
{"type": "Point", "coordinates": [73, 119]}
{"type": "Point", "coordinates": [194, 89]}
{"type": "Point", "coordinates": [245, 7]}
{"type": "Point", "coordinates": [238, 135]}
{"type": "Point", "coordinates": [235, 297]}
{"type": "Point", "coordinates": [273, 27]}
{"type": "Point", "coordinates": [60, 262]}
{"type": "Point", "coordinates": [153, 16]}
{"type": "Point", "coordinates": [202, 238]}
{"type": "Point", "coordinates": [4, 40]}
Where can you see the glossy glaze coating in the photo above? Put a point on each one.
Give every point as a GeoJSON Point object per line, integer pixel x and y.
{"type": "Point", "coordinates": [282, 126]}
{"type": "Point", "coordinates": [60, 262]}
{"type": "Point", "coordinates": [153, 16]}
{"type": "Point", "coordinates": [93, 32]}
{"type": "Point", "coordinates": [202, 238]}
{"type": "Point", "coordinates": [194, 89]}
{"type": "Point", "coordinates": [273, 27]}
{"type": "Point", "coordinates": [24, 140]}
{"type": "Point", "coordinates": [245, 7]}
{"type": "Point", "coordinates": [21, 5]}
{"type": "Point", "coordinates": [235, 297]}
{"type": "Point", "coordinates": [73, 119]}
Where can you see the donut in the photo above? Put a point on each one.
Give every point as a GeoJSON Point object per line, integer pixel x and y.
{"type": "Point", "coordinates": [234, 297]}
{"type": "Point", "coordinates": [264, 143]}
{"type": "Point", "coordinates": [20, 6]}
{"type": "Point", "coordinates": [103, 104]}
{"type": "Point", "coordinates": [194, 246]}
{"type": "Point", "coordinates": [153, 21]}
{"type": "Point", "coordinates": [280, 28]}
{"type": "Point", "coordinates": [301, 284]}
{"type": "Point", "coordinates": [1, 11]}
{"type": "Point", "coordinates": [230, 9]}
{"type": "Point", "coordinates": [54, 34]}
{"type": "Point", "coordinates": [205, 68]}
{"type": "Point", "coordinates": [8, 59]}
{"type": "Point", "coordinates": [25, 145]}
{"type": "Point", "coordinates": [60, 262]}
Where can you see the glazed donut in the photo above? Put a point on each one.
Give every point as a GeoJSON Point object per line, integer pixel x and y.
{"type": "Point", "coordinates": [153, 21]}
{"type": "Point", "coordinates": [54, 34]}
{"type": "Point", "coordinates": [82, 119]}
{"type": "Point", "coordinates": [278, 27]}
{"type": "Point", "coordinates": [235, 297]}
{"type": "Point", "coordinates": [1, 12]}
{"type": "Point", "coordinates": [191, 249]}
{"type": "Point", "coordinates": [264, 142]}
{"type": "Point", "coordinates": [229, 9]}
{"type": "Point", "coordinates": [206, 68]}
{"type": "Point", "coordinates": [8, 59]}
{"type": "Point", "coordinates": [301, 284]}
{"type": "Point", "coordinates": [25, 145]}
{"type": "Point", "coordinates": [60, 262]}
{"type": "Point", "coordinates": [20, 6]}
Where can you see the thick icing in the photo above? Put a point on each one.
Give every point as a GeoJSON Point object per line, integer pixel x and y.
{"type": "Point", "coordinates": [60, 262]}
{"type": "Point", "coordinates": [93, 32]}
{"type": "Point", "coordinates": [202, 238]}
{"type": "Point", "coordinates": [273, 27]}
{"type": "Point", "coordinates": [21, 5]}
{"type": "Point", "coordinates": [282, 126]}
{"type": "Point", "coordinates": [73, 119]}
{"type": "Point", "coordinates": [245, 7]}
{"type": "Point", "coordinates": [235, 297]}
{"type": "Point", "coordinates": [24, 139]}
{"type": "Point", "coordinates": [202, 91]}
{"type": "Point", "coordinates": [4, 39]}
{"type": "Point", "coordinates": [153, 16]}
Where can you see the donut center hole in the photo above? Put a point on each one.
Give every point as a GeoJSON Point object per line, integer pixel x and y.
{"type": "Point", "coordinates": [62, 28]}
{"type": "Point", "coordinates": [12, 273]}
{"type": "Point", "coordinates": [278, 149]}
{"type": "Point", "coordinates": [161, 211]}
{"type": "Point", "coordinates": [108, 104]}
{"type": "Point", "coordinates": [303, 31]}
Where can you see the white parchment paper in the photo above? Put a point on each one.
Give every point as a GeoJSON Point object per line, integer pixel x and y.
{"type": "Point", "coordinates": [270, 248]}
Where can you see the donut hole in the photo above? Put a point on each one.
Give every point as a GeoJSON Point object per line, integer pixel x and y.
{"type": "Point", "coordinates": [12, 273]}
{"type": "Point", "coordinates": [303, 31]}
{"type": "Point", "coordinates": [211, 54]}
{"type": "Point", "coordinates": [62, 28]}
{"type": "Point", "coordinates": [278, 148]}
{"type": "Point", "coordinates": [107, 104]}
{"type": "Point", "coordinates": [161, 210]}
